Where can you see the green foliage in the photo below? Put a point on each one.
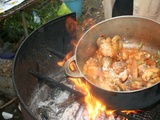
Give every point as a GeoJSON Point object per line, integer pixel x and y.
{"type": "Point", "coordinates": [49, 12]}
{"type": "Point", "coordinates": [12, 27]}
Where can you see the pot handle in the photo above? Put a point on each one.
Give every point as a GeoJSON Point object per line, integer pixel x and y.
{"type": "Point", "coordinates": [68, 70]}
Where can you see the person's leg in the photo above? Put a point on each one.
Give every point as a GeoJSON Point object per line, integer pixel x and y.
{"type": "Point", "coordinates": [147, 8]}
{"type": "Point", "coordinates": [122, 7]}
{"type": "Point", "coordinates": [108, 7]}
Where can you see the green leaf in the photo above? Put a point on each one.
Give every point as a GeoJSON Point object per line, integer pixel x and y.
{"type": "Point", "coordinates": [140, 45]}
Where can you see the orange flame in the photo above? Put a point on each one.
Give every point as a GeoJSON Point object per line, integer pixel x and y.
{"type": "Point", "coordinates": [131, 111]}
{"type": "Point", "coordinates": [71, 26]}
{"type": "Point", "coordinates": [61, 63]}
{"type": "Point", "coordinates": [94, 106]}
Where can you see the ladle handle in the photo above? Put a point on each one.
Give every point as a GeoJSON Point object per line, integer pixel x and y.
{"type": "Point", "coordinates": [68, 70]}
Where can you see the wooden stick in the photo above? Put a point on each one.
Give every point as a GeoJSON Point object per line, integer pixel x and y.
{"type": "Point", "coordinates": [8, 103]}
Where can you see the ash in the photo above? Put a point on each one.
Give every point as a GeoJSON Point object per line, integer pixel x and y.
{"type": "Point", "coordinates": [62, 105]}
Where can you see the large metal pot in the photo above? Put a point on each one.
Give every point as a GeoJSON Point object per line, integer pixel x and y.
{"type": "Point", "coordinates": [134, 30]}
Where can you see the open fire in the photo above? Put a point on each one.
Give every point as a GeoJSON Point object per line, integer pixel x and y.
{"type": "Point", "coordinates": [63, 105]}
{"type": "Point", "coordinates": [46, 93]}
{"type": "Point", "coordinates": [93, 106]}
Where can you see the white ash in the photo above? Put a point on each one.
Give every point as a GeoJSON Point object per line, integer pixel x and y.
{"type": "Point", "coordinates": [70, 112]}
{"type": "Point", "coordinates": [63, 96]}
{"type": "Point", "coordinates": [112, 117]}
{"type": "Point", "coordinates": [57, 108]}
{"type": "Point", "coordinates": [82, 114]}
{"type": "Point", "coordinates": [40, 94]}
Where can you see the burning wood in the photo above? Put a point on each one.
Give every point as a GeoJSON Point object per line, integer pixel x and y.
{"type": "Point", "coordinates": [66, 106]}
{"type": "Point", "coordinates": [92, 106]}
{"type": "Point", "coordinates": [62, 106]}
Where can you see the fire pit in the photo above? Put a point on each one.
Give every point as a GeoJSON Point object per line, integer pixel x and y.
{"type": "Point", "coordinates": [35, 53]}
{"type": "Point", "coordinates": [44, 90]}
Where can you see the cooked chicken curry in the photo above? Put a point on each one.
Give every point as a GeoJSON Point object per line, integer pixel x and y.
{"type": "Point", "coordinates": [116, 68]}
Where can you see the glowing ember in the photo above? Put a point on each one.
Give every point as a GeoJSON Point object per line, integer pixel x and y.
{"type": "Point", "coordinates": [131, 111]}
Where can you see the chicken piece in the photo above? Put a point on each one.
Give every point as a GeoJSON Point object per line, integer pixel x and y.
{"type": "Point", "coordinates": [110, 47]}
{"type": "Point", "coordinates": [137, 85]}
{"type": "Point", "coordinates": [124, 54]}
{"type": "Point", "coordinates": [106, 85]}
{"type": "Point", "coordinates": [110, 75]}
{"type": "Point", "coordinates": [142, 68]}
{"type": "Point", "coordinates": [133, 68]}
{"type": "Point", "coordinates": [92, 68]}
{"type": "Point", "coordinates": [106, 63]}
{"type": "Point", "coordinates": [102, 40]}
{"type": "Point", "coordinates": [121, 85]}
{"type": "Point", "coordinates": [106, 48]}
{"type": "Point", "coordinates": [99, 56]}
{"type": "Point", "coordinates": [154, 80]}
{"type": "Point", "coordinates": [151, 62]}
{"type": "Point", "coordinates": [123, 75]}
{"type": "Point", "coordinates": [117, 43]}
{"type": "Point", "coordinates": [119, 66]}
{"type": "Point", "coordinates": [99, 40]}
{"type": "Point", "coordinates": [150, 73]}
{"type": "Point", "coordinates": [149, 84]}
{"type": "Point", "coordinates": [142, 56]}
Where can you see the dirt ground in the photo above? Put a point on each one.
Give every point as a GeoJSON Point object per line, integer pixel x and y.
{"type": "Point", "coordinates": [93, 9]}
